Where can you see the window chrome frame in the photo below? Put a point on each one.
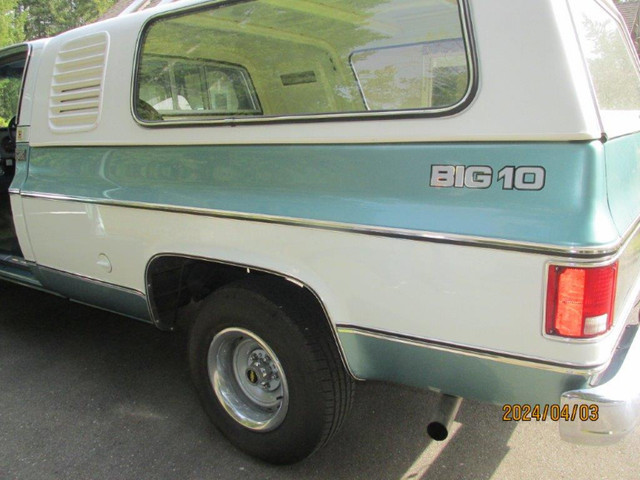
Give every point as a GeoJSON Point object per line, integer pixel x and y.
{"type": "Point", "coordinates": [464, 13]}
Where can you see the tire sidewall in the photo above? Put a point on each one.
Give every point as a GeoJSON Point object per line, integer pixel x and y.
{"type": "Point", "coordinates": [302, 428]}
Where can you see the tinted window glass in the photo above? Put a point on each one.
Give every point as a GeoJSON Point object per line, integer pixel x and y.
{"type": "Point", "coordinates": [265, 58]}
{"type": "Point", "coordinates": [10, 87]}
{"type": "Point", "coordinates": [179, 88]}
{"type": "Point", "coordinates": [427, 75]}
{"type": "Point", "coordinates": [611, 61]}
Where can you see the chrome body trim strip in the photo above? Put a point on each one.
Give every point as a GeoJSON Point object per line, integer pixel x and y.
{"type": "Point", "coordinates": [38, 283]}
{"type": "Point", "coordinates": [601, 253]}
{"type": "Point", "coordinates": [42, 272]}
{"type": "Point", "coordinates": [94, 281]}
{"type": "Point", "coordinates": [27, 280]}
{"type": "Point", "coordinates": [466, 350]}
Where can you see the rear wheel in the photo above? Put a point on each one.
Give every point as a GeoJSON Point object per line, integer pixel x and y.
{"type": "Point", "coordinates": [248, 379]}
{"type": "Point", "coordinates": [268, 370]}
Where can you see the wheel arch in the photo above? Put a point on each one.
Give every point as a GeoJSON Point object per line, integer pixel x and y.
{"type": "Point", "coordinates": [173, 280]}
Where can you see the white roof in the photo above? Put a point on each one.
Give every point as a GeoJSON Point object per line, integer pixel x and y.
{"type": "Point", "coordinates": [532, 86]}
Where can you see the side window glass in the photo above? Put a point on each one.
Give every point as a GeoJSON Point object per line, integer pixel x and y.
{"type": "Point", "coordinates": [11, 70]}
{"type": "Point", "coordinates": [262, 58]}
{"type": "Point", "coordinates": [427, 75]}
{"type": "Point", "coordinates": [154, 88]}
{"type": "Point", "coordinates": [610, 60]}
{"type": "Point", "coordinates": [178, 88]}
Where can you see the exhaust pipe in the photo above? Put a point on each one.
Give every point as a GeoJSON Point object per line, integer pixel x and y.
{"type": "Point", "coordinates": [442, 416]}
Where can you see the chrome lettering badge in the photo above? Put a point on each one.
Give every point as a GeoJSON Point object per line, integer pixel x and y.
{"type": "Point", "coordinates": [531, 178]}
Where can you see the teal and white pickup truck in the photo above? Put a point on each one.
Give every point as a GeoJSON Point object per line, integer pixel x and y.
{"type": "Point", "coordinates": [439, 193]}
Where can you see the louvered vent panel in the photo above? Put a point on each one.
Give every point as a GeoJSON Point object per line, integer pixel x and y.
{"type": "Point", "coordinates": [78, 77]}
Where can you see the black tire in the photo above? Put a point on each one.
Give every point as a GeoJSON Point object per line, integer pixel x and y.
{"type": "Point", "coordinates": [317, 390]}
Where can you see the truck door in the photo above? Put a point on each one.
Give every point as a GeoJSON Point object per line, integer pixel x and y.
{"type": "Point", "coordinates": [12, 68]}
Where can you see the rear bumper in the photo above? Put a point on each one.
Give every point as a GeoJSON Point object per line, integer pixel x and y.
{"type": "Point", "coordinates": [617, 398]}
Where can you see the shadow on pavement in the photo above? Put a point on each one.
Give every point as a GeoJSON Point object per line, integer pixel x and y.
{"type": "Point", "coordinates": [89, 394]}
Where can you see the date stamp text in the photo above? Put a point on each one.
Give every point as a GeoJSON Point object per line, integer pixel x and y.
{"type": "Point", "coordinates": [516, 412]}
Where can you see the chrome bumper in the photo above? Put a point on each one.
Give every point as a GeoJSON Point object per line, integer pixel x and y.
{"type": "Point", "coordinates": [617, 399]}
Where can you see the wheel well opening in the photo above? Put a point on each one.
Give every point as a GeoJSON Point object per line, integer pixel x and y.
{"type": "Point", "coordinates": [176, 285]}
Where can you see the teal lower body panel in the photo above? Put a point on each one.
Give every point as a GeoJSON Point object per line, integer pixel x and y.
{"type": "Point", "coordinates": [91, 292]}
{"type": "Point", "coordinates": [479, 377]}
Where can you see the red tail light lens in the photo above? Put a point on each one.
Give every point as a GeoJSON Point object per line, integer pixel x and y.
{"type": "Point", "coordinates": [580, 300]}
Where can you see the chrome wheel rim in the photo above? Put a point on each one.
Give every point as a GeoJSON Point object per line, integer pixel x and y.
{"type": "Point", "coordinates": [248, 379]}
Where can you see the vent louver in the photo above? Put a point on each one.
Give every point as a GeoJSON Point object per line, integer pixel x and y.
{"type": "Point", "coordinates": [76, 90]}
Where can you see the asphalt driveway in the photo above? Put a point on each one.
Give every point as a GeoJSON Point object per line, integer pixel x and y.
{"type": "Point", "coordinates": [89, 395]}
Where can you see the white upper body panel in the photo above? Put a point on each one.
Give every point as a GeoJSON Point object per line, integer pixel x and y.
{"type": "Point", "coordinates": [364, 281]}
{"type": "Point", "coordinates": [532, 85]}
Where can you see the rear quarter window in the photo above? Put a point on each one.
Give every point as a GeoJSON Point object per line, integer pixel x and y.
{"type": "Point", "coordinates": [612, 64]}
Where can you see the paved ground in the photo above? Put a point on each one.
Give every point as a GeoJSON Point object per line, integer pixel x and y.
{"type": "Point", "coordinates": [90, 395]}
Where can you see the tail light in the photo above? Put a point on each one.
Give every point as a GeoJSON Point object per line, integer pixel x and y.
{"type": "Point", "coordinates": [580, 301]}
